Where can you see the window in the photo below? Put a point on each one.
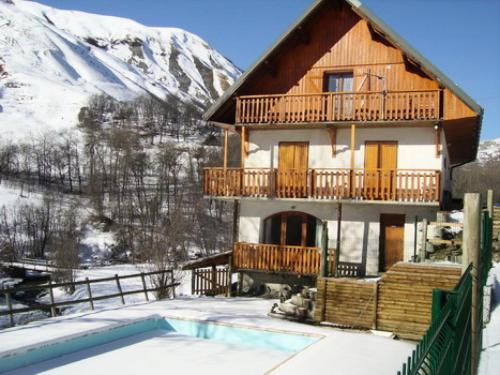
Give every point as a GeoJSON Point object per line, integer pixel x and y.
{"type": "Point", "coordinates": [338, 82]}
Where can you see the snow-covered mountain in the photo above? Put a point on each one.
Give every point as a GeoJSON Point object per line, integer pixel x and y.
{"type": "Point", "coordinates": [489, 150]}
{"type": "Point", "coordinates": [52, 60]}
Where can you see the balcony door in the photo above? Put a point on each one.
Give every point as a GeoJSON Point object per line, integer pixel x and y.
{"type": "Point", "coordinates": [380, 169]}
{"type": "Point", "coordinates": [341, 104]}
{"type": "Point", "coordinates": [292, 169]}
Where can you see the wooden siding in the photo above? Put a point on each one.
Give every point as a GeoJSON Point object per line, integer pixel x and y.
{"type": "Point", "coordinates": [346, 302]}
{"type": "Point", "coordinates": [369, 184]}
{"type": "Point", "coordinates": [337, 39]}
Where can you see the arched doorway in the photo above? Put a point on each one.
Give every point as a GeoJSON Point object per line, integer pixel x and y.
{"type": "Point", "coordinates": [292, 228]}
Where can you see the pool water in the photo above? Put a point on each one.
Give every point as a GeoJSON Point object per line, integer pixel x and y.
{"type": "Point", "coordinates": [164, 336]}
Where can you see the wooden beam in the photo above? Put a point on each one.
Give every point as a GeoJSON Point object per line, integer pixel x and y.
{"type": "Point", "coordinates": [353, 146]}
{"type": "Point", "coordinates": [333, 139]}
{"type": "Point", "coordinates": [225, 147]}
{"type": "Point", "coordinates": [222, 125]}
{"type": "Point", "coordinates": [339, 232]}
{"type": "Point", "coordinates": [242, 138]}
{"type": "Point", "coordinates": [437, 139]}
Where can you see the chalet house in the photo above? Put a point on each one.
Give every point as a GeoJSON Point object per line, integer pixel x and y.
{"type": "Point", "coordinates": [348, 136]}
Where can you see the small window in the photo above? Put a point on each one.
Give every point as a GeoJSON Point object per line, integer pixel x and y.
{"type": "Point", "coordinates": [338, 82]}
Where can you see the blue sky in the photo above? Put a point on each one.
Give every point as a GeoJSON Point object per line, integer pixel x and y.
{"type": "Point", "coordinates": [461, 37]}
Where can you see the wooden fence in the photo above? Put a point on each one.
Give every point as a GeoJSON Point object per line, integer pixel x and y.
{"type": "Point", "coordinates": [399, 302]}
{"type": "Point", "coordinates": [210, 281]}
{"type": "Point", "coordinates": [405, 296]}
{"type": "Point", "coordinates": [347, 302]}
{"type": "Point", "coordinates": [53, 305]}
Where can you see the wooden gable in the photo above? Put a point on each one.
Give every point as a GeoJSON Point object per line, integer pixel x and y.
{"type": "Point", "coordinates": [336, 37]}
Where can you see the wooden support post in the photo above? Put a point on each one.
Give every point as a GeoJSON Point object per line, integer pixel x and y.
{"type": "Point", "coordinates": [423, 247]}
{"type": "Point", "coordinates": [119, 288]}
{"type": "Point", "coordinates": [324, 250]}
{"type": "Point", "coordinates": [339, 240]}
{"type": "Point", "coordinates": [8, 299]}
{"type": "Point", "coordinates": [333, 140]}
{"type": "Point", "coordinates": [143, 279]}
{"type": "Point", "coordinates": [489, 203]}
{"type": "Point", "coordinates": [225, 148]}
{"type": "Point", "coordinates": [89, 292]}
{"type": "Point", "coordinates": [229, 275]}
{"type": "Point", "coordinates": [470, 248]}
{"type": "Point", "coordinates": [51, 296]}
{"type": "Point", "coordinates": [193, 282]}
{"type": "Point", "coordinates": [236, 220]}
{"type": "Point", "coordinates": [437, 139]}
{"type": "Point", "coordinates": [353, 158]}
{"type": "Point", "coordinates": [214, 280]}
{"type": "Point", "coordinates": [243, 142]}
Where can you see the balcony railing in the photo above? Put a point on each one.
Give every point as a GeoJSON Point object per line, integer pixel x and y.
{"type": "Point", "coordinates": [339, 106]}
{"type": "Point", "coordinates": [360, 184]}
{"type": "Point", "coordinates": [280, 258]}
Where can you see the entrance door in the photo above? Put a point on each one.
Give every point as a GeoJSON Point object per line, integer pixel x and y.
{"type": "Point", "coordinates": [292, 169]}
{"type": "Point", "coordinates": [291, 229]}
{"type": "Point", "coordinates": [391, 240]}
{"type": "Point", "coordinates": [340, 83]}
{"type": "Point", "coordinates": [380, 169]}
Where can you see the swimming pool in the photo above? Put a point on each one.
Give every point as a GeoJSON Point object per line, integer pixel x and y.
{"type": "Point", "coordinates": [223, 337]}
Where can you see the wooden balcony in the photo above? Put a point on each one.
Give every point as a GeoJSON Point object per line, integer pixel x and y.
{"type": "Point", "coordinates": [279, 258]}
{"type": "Point", "coordinates": [359, 184]}
{"type": "Point", "coordinates": [338, 106]}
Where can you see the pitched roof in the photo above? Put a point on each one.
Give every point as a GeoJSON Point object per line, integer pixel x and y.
{"type": "Point", "coordinates": [381, 27]}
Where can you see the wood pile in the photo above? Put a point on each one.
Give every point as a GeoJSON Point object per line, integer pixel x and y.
{"type": "Point", "coordinates": [405, 296]}
{"type": "Point", "coordinates": [346, 302]}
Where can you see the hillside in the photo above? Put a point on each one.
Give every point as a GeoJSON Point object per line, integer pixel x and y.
{"type": "Point", "coordinates": [52, 60]}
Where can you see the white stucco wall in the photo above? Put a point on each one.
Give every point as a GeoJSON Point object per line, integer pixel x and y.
{"type": "Point", "coordinates": [360, 228]}
{"type": "Point", "coordinates": [416, 147]}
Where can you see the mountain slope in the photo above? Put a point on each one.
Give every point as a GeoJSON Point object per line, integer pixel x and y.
{"type": "Point", "coordinates": [52, 60]}
{"type": "Point", "coordinates": [489, 150]}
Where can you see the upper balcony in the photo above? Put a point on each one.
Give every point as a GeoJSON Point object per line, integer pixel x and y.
{"type": "Point", "coordinates": [410, 186]}
{"type": "Point", "coordinates": [419, 105]}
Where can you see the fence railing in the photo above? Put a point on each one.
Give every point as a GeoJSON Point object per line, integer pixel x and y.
{"type": "Point", "coordinates": [339, 106]}
{"type": "Point", "coordinates": [210, 281]}
{"type": "Point", "coordinates": [368, 184]}
{"type": "Point", "coordinates": [280, 258]}
{"type": "Point", "coordinates": [53, 305]}
{"type": "Point", "coordinates": [446, 347]}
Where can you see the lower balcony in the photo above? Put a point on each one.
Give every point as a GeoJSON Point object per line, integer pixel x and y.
{"type": "Point", "coordinates": [398, 185]}
{"type": "Point", "coordinates": [279, 258]}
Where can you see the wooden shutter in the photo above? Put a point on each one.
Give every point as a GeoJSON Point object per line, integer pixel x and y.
{"type": "Point", "coordinates": [292, 169]}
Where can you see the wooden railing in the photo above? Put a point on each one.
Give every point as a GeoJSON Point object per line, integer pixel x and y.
{"type": "Point", "coordinates": [339, 106]}
{"type": "Point", "coordinates": [210, 281]}
{"type": "Point", "coordinates": [53, 306]}
{"type": "Point", "coordinates": [363, 184]}
{"type": "Point", "coordinates": [278, 258]}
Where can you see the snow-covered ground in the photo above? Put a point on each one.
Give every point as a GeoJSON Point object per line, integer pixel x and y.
{"type": "Point", "coordinates": [490, 356]}
{"type": "Point", "coordinates": [340, 352]}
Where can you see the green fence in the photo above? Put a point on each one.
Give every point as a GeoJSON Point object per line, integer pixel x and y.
{"type": "Point", "coordinates": [445, 349]}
